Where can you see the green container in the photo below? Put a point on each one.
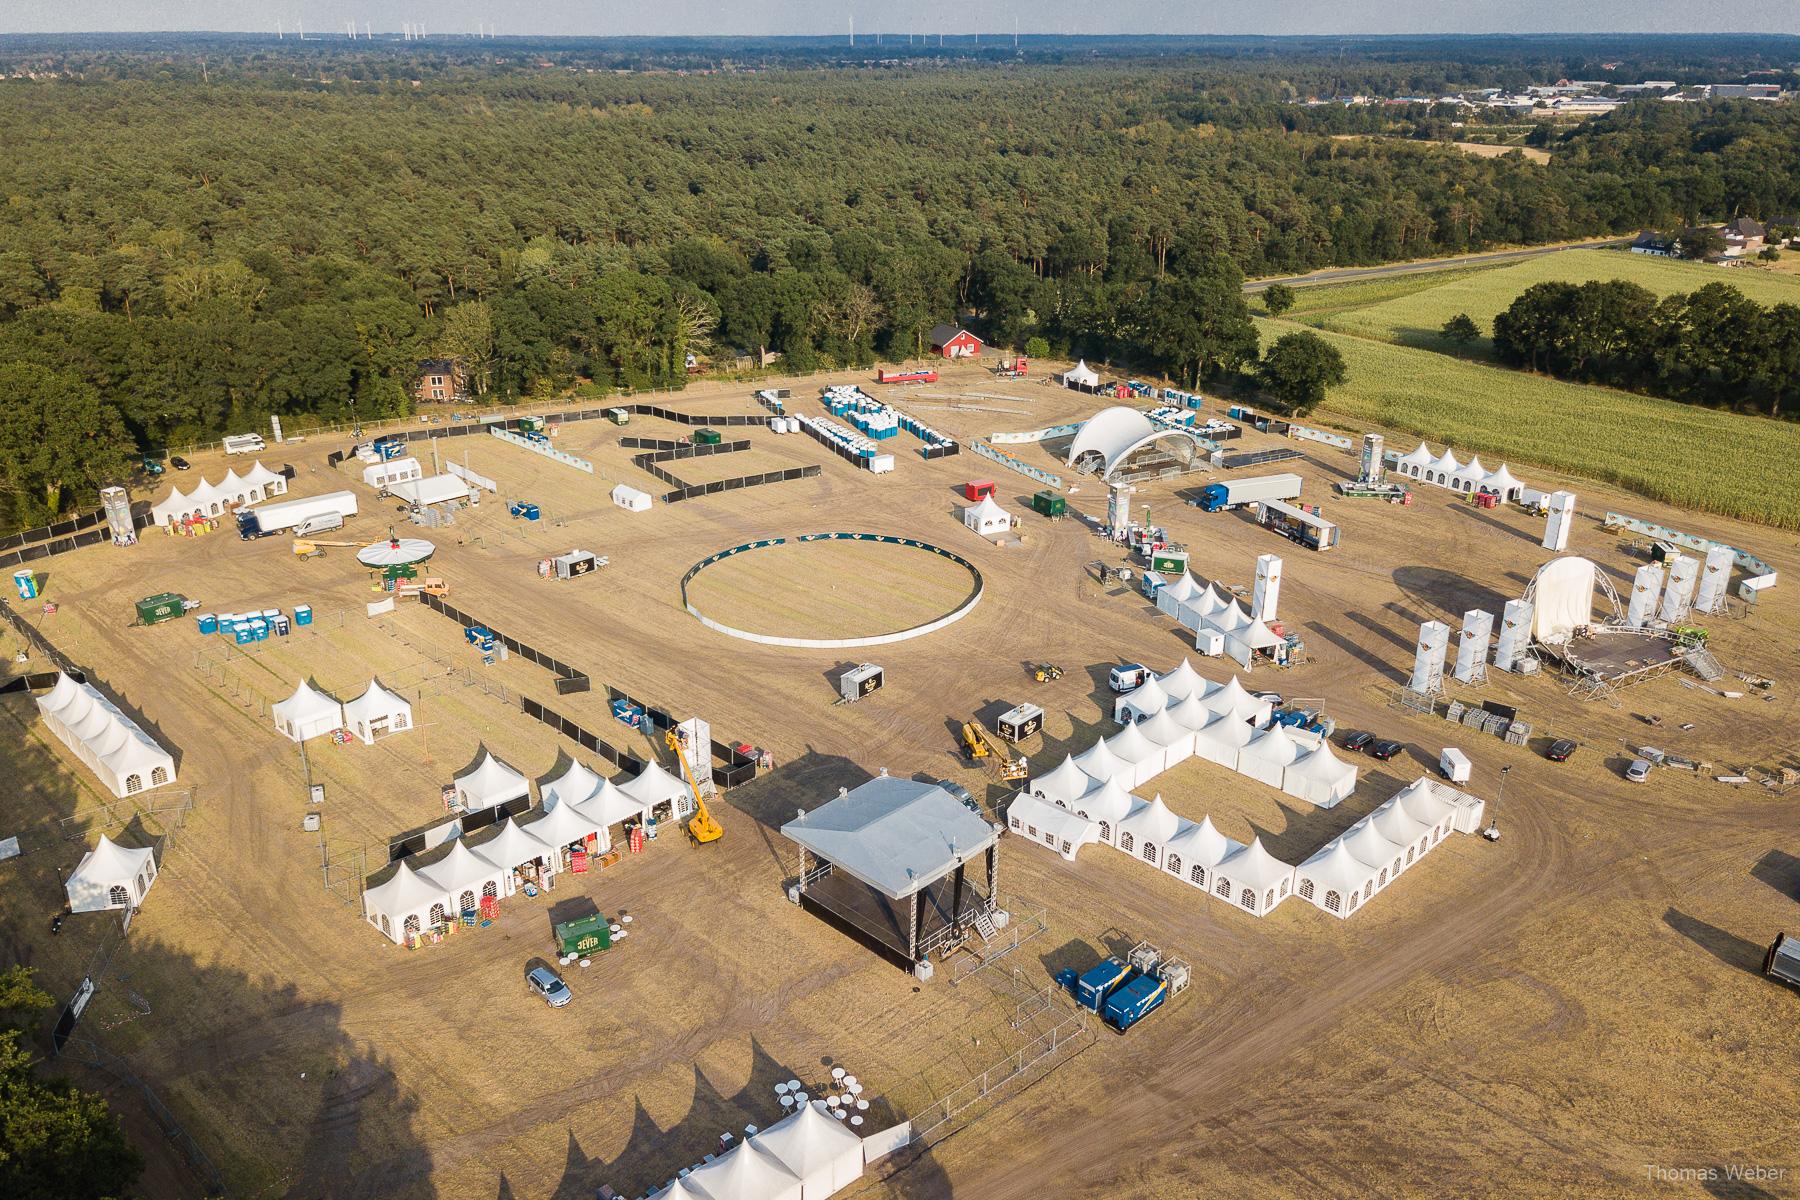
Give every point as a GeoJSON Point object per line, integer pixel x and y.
{"type": "Point", "coordinates": [585, 936]}
{"type": "Point", "coordinates": [532, 424]}
{"type": "Point", "coordinates": [163, 607]}
{"type": "Point", "coordinates": [706, 437]}
{"type": "Point", "coordinates": [1169, 563]}
{"type": "Point", "coordinates": [1049, 503]}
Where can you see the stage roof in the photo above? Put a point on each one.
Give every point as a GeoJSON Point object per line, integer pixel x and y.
{"type": "Point", "coordinates": [896, 835]}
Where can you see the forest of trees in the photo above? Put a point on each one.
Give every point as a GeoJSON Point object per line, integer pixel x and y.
{"type": "Point", "coordinates": [1713, 346]}
{"type": "Point", "coordinates": [187, 252]}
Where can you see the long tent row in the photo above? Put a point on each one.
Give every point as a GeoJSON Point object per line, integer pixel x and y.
{"type": "Point", "coordinates": [1171, 718]}
{"type": "Point", "coordinates": [311, 713]}
{"type": "Point", "coordinates": [578, 812]}
{"type": "Point", "coordinates": [1444, 471]}
{"type": "Point", "coordinates": [211, 500]}
{"type": "Point", "coordinates": [807, 1155]}
{"type": "Point", "coordinates": [1219, 622]}
{"type": "Point", "coordinates": [1365, 859]}
{"type": "Point", "coordinates": [111, 745]}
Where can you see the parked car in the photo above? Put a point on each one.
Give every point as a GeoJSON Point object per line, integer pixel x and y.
{"type": "Point", "coordinates": [1385, 749]}
{"type": "Point", "coordinates": [1274, 698]}
{"type": "Point", "coordinates": [1560, 750]}
{"type": "Point", "coordinates": [960, 792]}
{"type": "Point", "coordinates": [178, 462]}
{"type": "Point", "coordinates": [1359, 742]}
{"type": "Point", "coordinates": [548, 984]}
{"type": "Point", "coordinates": [1638, 771]}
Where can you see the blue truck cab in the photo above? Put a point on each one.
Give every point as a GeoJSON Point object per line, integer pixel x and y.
{"type": "Point", "coordinates": [1133, 1000]}
{"type": "Point", "coordinates": [1213, 497]}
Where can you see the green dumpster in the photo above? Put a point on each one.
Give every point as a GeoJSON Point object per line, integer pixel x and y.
{"type": "Point", "coordinates": [706, 437]}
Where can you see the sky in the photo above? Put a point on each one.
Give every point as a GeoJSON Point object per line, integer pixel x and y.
{"type": "Point", "coordinates": [954, 17]}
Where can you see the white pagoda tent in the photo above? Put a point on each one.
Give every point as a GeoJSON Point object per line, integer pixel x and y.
{"type": "Point", "coordinates": [576, 783]}
{"type": "Point", "coordinates": [1185, 682]}
{"type": "Point", "coordinates": [1063, 785]}
{"type": "Point", "coordinates": [464, 876]}
{"type": "Point", "coordinates": [1191, 714]}
{"type": "Point", "coordinates": [821, 1151]}
{"type": "Point", "coordinates": [1233, 700]}
{"type": "Point", "coordinates": [1147, 699]}
{"type": "Point", "coordinates": [1108, 804]}
{"type": "Point", "coordinates": [1373, 848]}
{"type": "Point", "coordinates": [1401, 828]}
{"type": "Point", "coordinates": [1424, 805]}
{"type": "Point", "coordinates": [307, 714]}
{"type": "Point", "coordinates": [405, 903]}
{"type": "Point", "coordinates": [610, 805]}
{"type": "Point", "coordinates": [1101, 764]}
{"type": "Point", "coordinates": [1222, 740]}
{"type": "Point", "coordinates": [376, 712]}
{"type": "Point", "coordinates": [1503, 484]}
{"type": "Point", "coordinates": [1173, 740]}
{"type": "Point", "coordinates": [111, 876]}
{"type": "Point", "coordinates": [1146, 830]}
{"type": "Point", "coordinates": [1254, 879]}
{"type": "Point", "coordinates": [1267, 758]}
{"type": "Point", "coordinates": [1333, 878]}
{"type": "Point", "coordinates": [1178, 591]}
{"type": "Point", "coordinates": [109, 743]}
{"type": "Point", "coordinates": [1081, 376]}
{"type": "Point", "coordinates": [1140, 758]}
{"type": "Point", "coordinates": [1320, 778]}
{"type": "Point", "coordinates": [987, 518]}
{"type": "Point", "coordinates": [489, 783]}
{"type": "Point", "coordinates": [264, 483]}
{"type": "Point", "coordinates": [744, 1172]}
{"type": "Point", "coordinates": [517, 846]}
{"type": "Point", "coordinates": [1197, 850]}
{"type": "Point", "coordinates": [565, 825]}
{"type": "Point", "coordinates": [654, 787]}
{"type": "Point", "coordinates": [1414, 464]}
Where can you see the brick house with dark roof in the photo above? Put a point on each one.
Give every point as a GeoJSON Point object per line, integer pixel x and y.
{"type": "Point", "coordinates": [440, 381]}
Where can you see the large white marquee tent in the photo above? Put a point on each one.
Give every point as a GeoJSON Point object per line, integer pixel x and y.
{"type": "Point", "coordinates": [111, 876]}
{"type": "Point", "coordinates": [109, 743]}
{"type": "Point", "coordinates": [211, 500]}
{"type": "Point", "coordinates": [1444, 471]}
{"type": "Point", "coordinates": [815, 1147]}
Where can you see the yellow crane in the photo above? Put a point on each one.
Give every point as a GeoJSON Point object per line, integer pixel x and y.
{"type": "Point", "coordinates": [312, 547]}
{"type": "Point", "coordinates": [979, 743]}
{"type": "Point", "coordinates": [702, 827]}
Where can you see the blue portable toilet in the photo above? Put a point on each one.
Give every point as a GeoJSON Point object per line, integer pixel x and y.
{"type": "Point", "coordinates": [281, 626]}
{"type": "Point", "coordinates": [303, 614]}
{"type": "Point", "coordinates": [207, 622]}
{"type": "Point", "coordinates": [529, 512]}
{"type": "Point", "coordinates": [26, 582]}
{"type": "Point", "coordinates": [242, 635]}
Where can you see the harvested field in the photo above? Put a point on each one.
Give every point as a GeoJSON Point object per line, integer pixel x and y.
{"type": "Point", "coordinates": [833, 589]}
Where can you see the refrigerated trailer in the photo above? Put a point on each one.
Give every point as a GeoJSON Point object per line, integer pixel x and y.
{"type": "Point", "coordinates": [291, 514]}
{"type": "Point", "coordinates": [1235, 493]}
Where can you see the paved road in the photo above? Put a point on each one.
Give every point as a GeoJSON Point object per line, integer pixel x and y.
{"type": "Point", "coordinates": [1345, 274]}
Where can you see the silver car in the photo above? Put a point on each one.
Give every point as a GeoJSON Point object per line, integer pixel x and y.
{"type": "Point", "coordinates": [1638, 771]}
{"type": "Point", "coordinates": [548, 984]}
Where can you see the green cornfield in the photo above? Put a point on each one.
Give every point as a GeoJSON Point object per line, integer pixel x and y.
{"type": "Point", "coordinates": [1701, 459]}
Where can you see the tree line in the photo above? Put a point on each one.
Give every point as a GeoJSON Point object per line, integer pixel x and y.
{"type": "Point", "coordinates": [1713, 346]}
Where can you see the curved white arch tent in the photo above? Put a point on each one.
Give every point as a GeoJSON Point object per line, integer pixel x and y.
{"type": "Point", "coordinates": [308, 713]}
{"type": "Point", "coordinates": [376, 712]}
{"type": "Point", "coordinates": [1113, 434]}
{"type": "Point", "coordinates": [111, 876]}
{"type": "Point", "coordinates": [110, 744]}
{"type": "Point", "coordinates": [489, 783]}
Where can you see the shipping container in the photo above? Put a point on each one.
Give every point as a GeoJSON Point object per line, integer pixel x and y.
{"type": "Point", "coordinates": [1049, 503]}
{"type": "Point", "coordinates": [163, 606]}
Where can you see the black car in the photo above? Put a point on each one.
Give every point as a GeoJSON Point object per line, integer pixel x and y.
{"type": "Point", "coordinates": [178, 462]}
{"type": "Point", "coordinates": [1359, 742]}
{"type": "Point", "coordinates": [1560, 750]}
{"type": "Point", "coordinates": [1385, 749]}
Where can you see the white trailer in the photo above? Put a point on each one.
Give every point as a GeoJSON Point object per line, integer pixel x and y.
{"type": "Point", "coordinates": [290, 514]}
{"type": "Point", "coordinates": [245, 443]}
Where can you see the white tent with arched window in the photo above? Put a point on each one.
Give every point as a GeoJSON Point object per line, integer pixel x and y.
{"type": "Point", "coordinates": [377, 712]}
{"type": "Point", "coordinates": [1373, 849]}
{"type": "Point", "coordinates": [1399, 827]}
{"type": "Point", "coordinates": [1253, 879]}
{"type": "Point", "coordinates": [1196, 851]}
{"type": "Point", "coordinates": [1147, 699]}
{"type": "Point", "coordinates": [654, 787]}
{"type": "Point", "coordinates": [1056, 827]}
{"type": "Point", "coordinates": [264, 483]}
{"type": "Point", "coordinates": [1414, 464]}
{"type": "Point", "coordinates": [987, 518]}
{"type": "Point", "coordinates": [1178, 591]}
{"type": "Point", "coordinates": [1320, 778]}
{"type": "Point", "coordinates": [173, 508]}
{"type": "Point", "coordinates": [517, 846]}
{"type": "Point", "coordinates": [490, 783]}
{"type": "Point", "coordinates": [1108, 804]}
{"type": "Point", "coordinates": [111, 876]}
{"type": "Point", "coordinates": [1146, 830]}
{"type": "Point", "coordinates": [406, 902]}
{"type": "Point", "coordinates": [109, 743]}
{"type": "Point", "coordinates": [465, 877]}
{"type": "Point", "coordinates": [1502, 483]}
{"type": "Point", "coordinates": [1081, 376]}
{"type": "Point", "coordinates": [308, 713]}
{"type": "Point", "coordinates": [1233, 700]}
{"type": "Point", "coordinates": [1333, 878]}
{"type": "Point", "coordinates": [1065, 784]}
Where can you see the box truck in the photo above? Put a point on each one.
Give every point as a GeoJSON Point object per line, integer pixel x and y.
{"type": "Point", "coordinates": [1217, 497]}
{"type": "Point", "coordinates": [291, 514]}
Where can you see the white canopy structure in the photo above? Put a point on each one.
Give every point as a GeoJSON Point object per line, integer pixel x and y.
{"type": "Point", "coordinates": [1562, 598]}
{"type": "Point", "coordinates": [567, 824]}
{"type": "Point", "coordinates": [1184, 681]}
{"type": "Point", "coordinates": [825, 1155]}
{"type": "Point", "coordinates": [1373, 849]}
{"type": "Point", "coordinates": [1108, 804]}
{"type": "Point", "coordinates": [307, 714]}
{"type": "Point", "coordinates": [1443, 469]}
{"type": "Point", "coordinates": [576, 783]}
{"type": "Point", "coordinates": [1173, 740]}
{"type": "Point", "coordinates": [1233, 700]}
{"type": "Point", "coordinates": [264, 483]}
{"type": "Point", "coordinates": [1106, 442]}
{"type": "Point", "coordinates": [744, 1172]}
{"type": "Point", "coordinates": [987, 518]}
{"type": "Point", "coordinates": [1321, 778]}
{"type": "Point", "coordinates": [1040, 820]}
{"type": "Point", "coordinates": [464, 876]}
{"type": "Point", "coordinates": [1502, 484]}
{"type": "Point", "coordinates": [654, 787]}
{"type": "Point", "coordinates": [1146, 830]}
{"type": "Point", "coordinates": [1147, 699]}
{"type": "Point", "coordinates": [631, 499]}
{"type": "Point", "coordinates": [1063, 785]}
{"type": "Point", "coordinates": [1412, 838]}
{"type": "Point", "coordinates": [1267, 758]}
{"type": "Point", "coordinates": [1472, 476]}
{"type": "Point", "coordinates": [1333, 879]}
{"type": "Point", "coordinates": [405, 903]}
{"type": "Point", "coordinates": [429, 489]}
{"type": "Point", "coordinates": [1253, 878]}
{"type": "Point", "coordinates": [1081, 375]}
{"type": "Point", "coordinates": [111, 876]}
{"type": "Point", "coordinates": [610, 805]}
{"type": "Point", "coordinates": [1222, 740]}
{"type": "Point", "coordinates": [109, 743]}
{"type": "Point", "coordinates": [1138, 756]}
{"type": "Point", "coordinates": [394, 470]}
{"type": "Point", "coordinates": [677, 1189]}
{"type": "Point", "coordinates": [1100, 763]}
{"type": "Point", "coordinates": [1196, 850]}
{"type": "Point", "coordinates": [517, 846]}
{"type": "Point", "coordinates": [489, 783]}
{"type": "Point", "coordinates": [376, 712]}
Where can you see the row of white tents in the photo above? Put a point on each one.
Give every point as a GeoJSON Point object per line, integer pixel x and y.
{"type": "Point", "coordinates": [807, 1155]}
{"type": "Point", "coordinates": [578, 804]}
{"type": "Point", "coordinates": [110, 744]}
{"type": "Point", "coordinates": [1181, 715]}
{"type": "Point", "coordinates": [212, 499]}
{"type": "Point", "coordinates": [1444, 471]}
{"type": "Point", "coordinates": [1218, 619]}
{"type": "Point", "coordinates": [311, 713]}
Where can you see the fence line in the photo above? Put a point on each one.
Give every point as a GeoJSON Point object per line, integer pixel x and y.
{"type": "Point", "coordinates": [93, 1054]}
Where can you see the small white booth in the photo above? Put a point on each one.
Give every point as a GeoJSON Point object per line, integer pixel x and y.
{"type": "Point", "coordinates": [307, 714]}
{"type": "Point", "coordinates": [987, 518]}
{"type": "Point", "coordinates": [1081, 376]}
{"type": "Point", "coordinates": [377, 712]}
{"type": "Point", "coordinates": [111, 876]}
{"type": "Point", "coordinates": [489, 783]}
{"type": "Point", "coordinates": [631, 499]}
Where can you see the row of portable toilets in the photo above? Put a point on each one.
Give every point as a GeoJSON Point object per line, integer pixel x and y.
{"type": "Point", "coordinates": [244, 628]}
{"type": "Point", "coordinates": [784, 424]}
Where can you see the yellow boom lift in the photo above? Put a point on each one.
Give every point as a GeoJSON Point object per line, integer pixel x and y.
{"type": "Point", "coordinates": [979, 743]}
{"type": "Point", "coordinates": [702, 828]}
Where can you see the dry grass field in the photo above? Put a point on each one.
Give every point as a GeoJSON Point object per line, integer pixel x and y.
{"type": "Point", "coordinates": [1560, 1013]}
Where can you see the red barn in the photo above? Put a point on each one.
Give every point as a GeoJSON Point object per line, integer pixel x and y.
{"type": "Point", "coordinates": [952, 341]}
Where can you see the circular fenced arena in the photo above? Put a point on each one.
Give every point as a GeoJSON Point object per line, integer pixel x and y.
{"type": "Point", "coordinates": [831, 590]}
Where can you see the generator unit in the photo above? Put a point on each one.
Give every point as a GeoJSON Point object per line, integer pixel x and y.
{"type": "Point", "coordinates": [1017, 724]}
{"type": "Point", "coordinates": [859, 681]}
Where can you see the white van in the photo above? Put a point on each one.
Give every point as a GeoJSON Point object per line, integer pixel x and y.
{"type": "Point", "coordinates": [245, 443]}
{"type": "Point", "coordinates": [313, 526]}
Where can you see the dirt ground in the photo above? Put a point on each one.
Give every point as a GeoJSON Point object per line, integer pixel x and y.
{"type": "Point", "coordinates": [1575, 1009]}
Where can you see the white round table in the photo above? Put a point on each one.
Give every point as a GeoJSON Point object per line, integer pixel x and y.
{"type": "Point", "coordinates": [862, 1104]}
{"type": "Point", "coordinates": [787, 1101]}
{"type": "Point", "coordinates": [856, 1120]}
{"type": "Point", "coordinates": [837, 1072]}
